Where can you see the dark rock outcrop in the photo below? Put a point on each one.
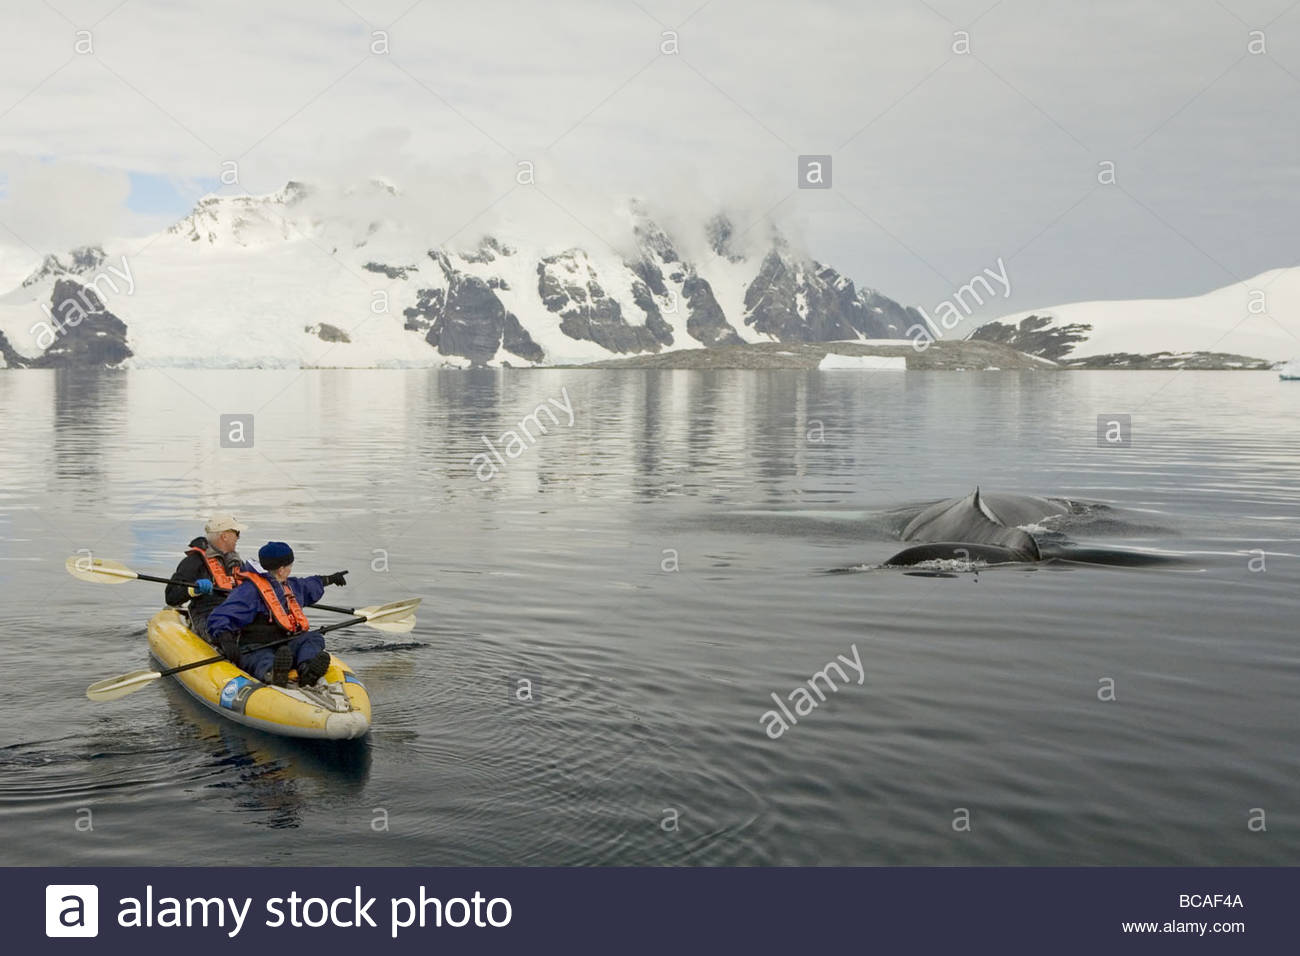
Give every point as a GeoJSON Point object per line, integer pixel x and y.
{"type": "Point", "coordinates": [393, 272]}
{"type": "Point", "coordinates": [721, 233]}
{"type": "Point", "coordinates": [328, 333]}
{"type": "Point", "coordinates": [1220, 361]}
{"type": "Point", "coordinates": [516, 340]}
{"type": "Point", "coordinates": [1035, 335]}
{"type": "Point", "coordinates": [429, 304]}
{"type": "Point", "coordinates": [85, 334]}
{"type": "Point", "coordinates": [654, 242]}
{"type": "Point", "coordinates": [295, 192]}
{"type": "Point", "coordinates": [954, 356]}
{"type": "Point", "coordinates": [488, 249]}
{"type": "Point", "coordinates": [475, 325]}
{"type": "Point", "coordinates": [650, 274]}
{"type": "Point", "coordinates": [9, 357]}
{"type": "Point", "coordinates": [706, 321]}
{"type": "Point", "coordinates": [86, 258]}
{"type": "Point", "coordinates": [470, 324]}
{"type": "Point", "coordinates": [567, 285]}
{"type": "Point", "coordinates": [891, 319]}
{"type": "Point", "coordinates": [80, 260]}
{"type": "Point", "coordinates": [795, 300]}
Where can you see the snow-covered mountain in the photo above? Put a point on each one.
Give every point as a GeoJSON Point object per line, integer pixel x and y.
{"type": "Point", "coordinates": [1258, 320]}
{"type": "Point", "coordinates": [15, 264]}
{"type": "Point", "coordinates": [271, 281]}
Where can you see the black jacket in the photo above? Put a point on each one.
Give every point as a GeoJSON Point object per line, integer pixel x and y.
{"type": "Point", "coordinates": [191, 568]}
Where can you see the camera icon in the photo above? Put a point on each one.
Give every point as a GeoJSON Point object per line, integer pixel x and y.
{"type": "Point", "coordinates": [71, 909]}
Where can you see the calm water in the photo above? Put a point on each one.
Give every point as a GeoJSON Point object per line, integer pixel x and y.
{"type": "Point", "coordinates": [656, 571]}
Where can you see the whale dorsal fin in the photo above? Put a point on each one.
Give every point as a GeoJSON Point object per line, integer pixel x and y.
{"type": "Point", "coordinates": [984, 509]}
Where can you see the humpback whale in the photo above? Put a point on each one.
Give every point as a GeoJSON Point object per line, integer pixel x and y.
{"type": "Point", "coordinates": [977, 527]}
{"type": "Point", "coordinates": [988, 528]}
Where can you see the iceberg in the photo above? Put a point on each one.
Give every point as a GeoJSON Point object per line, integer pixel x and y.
{"type": "Point", "coordinates": [873, 362]}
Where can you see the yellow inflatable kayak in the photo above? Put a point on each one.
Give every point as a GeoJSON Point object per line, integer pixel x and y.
{"type": "Point", "coordinates": [337, 708]}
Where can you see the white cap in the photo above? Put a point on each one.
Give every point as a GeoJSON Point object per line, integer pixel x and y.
{"type": "Point", "coordinates": [223, 522]}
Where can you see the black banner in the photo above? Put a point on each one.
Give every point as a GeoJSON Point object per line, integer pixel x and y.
{"type": "Point", "coordinates": [662, 911]}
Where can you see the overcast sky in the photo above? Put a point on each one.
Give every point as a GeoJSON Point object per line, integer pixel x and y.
{"type": "Point", "coordinates": [943, 161]}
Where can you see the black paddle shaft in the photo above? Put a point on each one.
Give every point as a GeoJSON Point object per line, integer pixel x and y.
{"type": "Point", "coordinates": [260, 647]}
{"type": "Point", "coordinates": [217, 590]}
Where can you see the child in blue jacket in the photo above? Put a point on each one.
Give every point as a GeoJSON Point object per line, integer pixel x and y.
{"type": "Point", "coordinates": [267, 606]}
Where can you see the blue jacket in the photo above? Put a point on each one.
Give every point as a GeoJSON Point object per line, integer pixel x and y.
{"type": "Point", "coordinates": [244, 605]}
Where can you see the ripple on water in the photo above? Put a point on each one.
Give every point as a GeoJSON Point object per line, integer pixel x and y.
{"type": "Point", "coordinates": [653, 572]}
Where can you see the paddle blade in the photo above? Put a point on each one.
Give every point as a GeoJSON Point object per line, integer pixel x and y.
{"type": "Point", "coordinates": [402, 625]}
{"type": "Point", "coordinates": [394, 611]}
{"type": "Point", "coordinates": [115, 687]}
{"type": "Point", "coordinates": [84, 567]}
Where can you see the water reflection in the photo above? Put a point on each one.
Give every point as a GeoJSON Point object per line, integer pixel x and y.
{"type": "Point", "coordinates": [88, 409]}
{"type": "Point", "coordinates": [275, 777]}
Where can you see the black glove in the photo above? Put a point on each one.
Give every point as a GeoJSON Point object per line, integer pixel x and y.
{"type": "Point", "coordinates": [336, 578]}
{"type": "Point", "coordinates": [228, 644]}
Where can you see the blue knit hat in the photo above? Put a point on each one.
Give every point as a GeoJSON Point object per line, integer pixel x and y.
{"type": "Point", "coordinates": [275, 554]}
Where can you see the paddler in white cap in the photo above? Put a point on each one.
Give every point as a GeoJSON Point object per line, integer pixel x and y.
{"type": "Point", "coordinates": [210, 563]}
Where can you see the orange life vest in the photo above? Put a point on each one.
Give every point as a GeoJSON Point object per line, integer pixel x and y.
{"type": "Point", "coordinates": [294, 621]}
{"type": "Point", "coordinates": [220, 576]}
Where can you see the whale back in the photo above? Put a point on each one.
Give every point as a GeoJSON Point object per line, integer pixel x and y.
{"type": "Point", "coordinates": [984, 527]}
{"type": "Point", "coordinates": [1016, 510]}
{"type": "Point", "coordinates": [958, 551]}
{"type": "Point", "coordinates": [972, 520]}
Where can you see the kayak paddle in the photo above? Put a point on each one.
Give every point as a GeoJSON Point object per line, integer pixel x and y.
{"type": "Point", "coordinates": [83, 567]}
